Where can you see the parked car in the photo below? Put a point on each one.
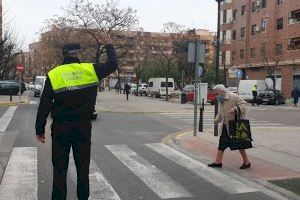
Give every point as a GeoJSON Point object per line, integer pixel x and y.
{"type": "Point", "coordinates": [11, 86]}
{"type": "Point", "coordinates": [133, 88]}
{"type": "Point", "coordinates": [189, 91]}
{"type": "Point", "coordinates": [270, 97]}
{"type": "Point", "coordinates": [39, 85]}
{"type": "Point", "coordinates": [157, 87]}
{"type": "Point", "coordinates": [142, 89]}
{"type": "Point", "coordinates": [232, 89]}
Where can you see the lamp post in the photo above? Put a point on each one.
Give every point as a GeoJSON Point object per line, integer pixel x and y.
{"type": "Point", "coordinates": [217, 80]}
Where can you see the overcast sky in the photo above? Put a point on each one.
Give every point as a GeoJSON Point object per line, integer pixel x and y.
{"type": "Point", "coordinates": [28, 15]}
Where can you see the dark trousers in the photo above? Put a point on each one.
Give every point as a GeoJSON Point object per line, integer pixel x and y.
{"type": "Point", "coordinates": [127, 95]}
{"type": "Point", "coordinates": [254, 100]}
{"type": "Point", "coordinates": [64, 136]}
{"type": "Point", "coordinates": [296, 101]}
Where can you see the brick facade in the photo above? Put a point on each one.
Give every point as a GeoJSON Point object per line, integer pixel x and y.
{"type": "Point", "coordinates": [270, 31]}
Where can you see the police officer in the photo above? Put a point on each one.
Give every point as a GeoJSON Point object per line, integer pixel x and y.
{"type": "Point", "coordinates": [254, 94]}
{"type": "Point", "coordinates": [70, 93]}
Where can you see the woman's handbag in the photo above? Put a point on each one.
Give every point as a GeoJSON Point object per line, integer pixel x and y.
{"type": "Point", "coordinates": [239, 132]}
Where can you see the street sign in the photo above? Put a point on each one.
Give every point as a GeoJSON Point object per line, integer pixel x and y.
{"type": "Point", "coordinates": [196, 52]}
{"type": "Point", "coordinates": [239, 73]}
{"type": "Point", "coordinates": [20, 68]}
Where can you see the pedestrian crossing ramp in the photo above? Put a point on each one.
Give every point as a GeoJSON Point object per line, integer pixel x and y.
{"type": "Point", "coordinates": [20, 180]}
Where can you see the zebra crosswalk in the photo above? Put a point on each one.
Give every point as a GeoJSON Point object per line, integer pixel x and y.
{"type": "Point", "coordinates": [21, 175]}
{"type": "Point", "coordinates": [208, 119]}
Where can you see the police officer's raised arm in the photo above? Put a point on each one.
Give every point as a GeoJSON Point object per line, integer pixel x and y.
{"type": "Point", "coordinates": [111, 64]}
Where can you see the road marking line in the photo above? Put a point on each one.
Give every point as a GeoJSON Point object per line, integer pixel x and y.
{"type": "Point", "coordinates": [6, 118]}
{"type": "Point", "coordinates": [99, 187]}
{"type": "Point", "coordinates": [218, 178]}
{"type": "Point", "coordinates": [33, 102]}
{"type": "Point", "coordinates": [159, 182]}
{"type": "Point", "coordinates": [20, 178]}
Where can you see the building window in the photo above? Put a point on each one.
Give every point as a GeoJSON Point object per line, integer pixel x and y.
{"type": "Point", "coordinates": [294, 16]}
{"type": "Point", "coordinates": [242, 54]}
{"type": "Point", "coordinates": [234, 34]}
{"type": "Point", "coordinates": [234, 13]}
{"type": "Point", "coordinates": [280, 24]}
{"type": "Point", "coordinates": [224, 16]}
{"type": "Point", "coordinates": [280, 2]}
{"type": "Point", "coordinates": [294, 43]}
{"type": "Point", "coordinates": [233, 56]}
{"type": "Point", "coordinates": [243, 32]}
{"type": "Point", "coordinates": [264, 3]}
{"type": "Point", "coordinates": [264, 24]}
{"type": "Point", "coordinates": [254, 29]}
{"type": "Point", "coordinates": [278, 49]}
{"type": "Point", "coordinates": [254, 6]}
{"type": "Point", "coordinates": [224, 36]}
{"type": "Point", "coordinates": [253, 53]}
{"type": "Point", "coordinates": [243, 10]}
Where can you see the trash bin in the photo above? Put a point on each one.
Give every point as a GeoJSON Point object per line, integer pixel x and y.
{"type": "Point", "coordinates": [183, 98]}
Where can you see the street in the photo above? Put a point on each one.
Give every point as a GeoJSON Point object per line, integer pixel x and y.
{"type": "Point", "coordinates": [129, 160]}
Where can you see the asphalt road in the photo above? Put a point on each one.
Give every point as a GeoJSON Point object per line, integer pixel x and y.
{"type": "Point", "coordinates": [122, 159]}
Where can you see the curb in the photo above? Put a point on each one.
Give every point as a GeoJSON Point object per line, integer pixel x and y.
{"type": "Point", "coordinates": [14, 103]}
{"type": "Point", "coordinates": [171, 140]}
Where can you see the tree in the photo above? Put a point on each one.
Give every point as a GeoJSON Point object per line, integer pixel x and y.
{"type": "Point", "coordinates": [10, 48]}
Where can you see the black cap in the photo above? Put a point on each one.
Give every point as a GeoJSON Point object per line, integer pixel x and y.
{"type": "Point", "coordinates": [71, 48]}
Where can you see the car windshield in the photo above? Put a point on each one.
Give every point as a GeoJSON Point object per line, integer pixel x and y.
{"type": "Point", "coordinates": [163, 84]}
{"type": "Point", "coordinates": [189, 87]}
{"type": "Point", "coordinates": [39, 81]}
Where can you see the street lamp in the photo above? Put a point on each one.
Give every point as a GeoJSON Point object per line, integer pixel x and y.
{"type": "Point", "coordinates": [217, 80]}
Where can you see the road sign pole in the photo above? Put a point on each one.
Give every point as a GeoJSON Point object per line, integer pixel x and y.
{"type": "Point", "coordinates": [20, 87]}
{"type": "Point", "coordinates": [196, 88]}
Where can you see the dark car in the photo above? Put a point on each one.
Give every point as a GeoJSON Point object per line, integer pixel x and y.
{"type": "Point", "coordinates": [11, 87]}
{"type": "Point", "coordinates": [271, 97]}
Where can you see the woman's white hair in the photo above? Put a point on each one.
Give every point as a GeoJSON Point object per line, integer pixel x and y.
{"type": "Point", "coordinates": [220, 88]}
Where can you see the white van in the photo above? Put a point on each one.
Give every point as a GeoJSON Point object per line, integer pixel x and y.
{"type": "Point", "coordinates": [245, 88]}
{"type": "Point", "coordinates": [157, 87]}
{"type": "Point", "coordinates": [39, 84]}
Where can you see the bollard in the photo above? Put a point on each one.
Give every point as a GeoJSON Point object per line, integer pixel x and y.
{"type": "Point", "coordinates": [10, 95]}
{"type": "Point", "coordinates": [201, 116]}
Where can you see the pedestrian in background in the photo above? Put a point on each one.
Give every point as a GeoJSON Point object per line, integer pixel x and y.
{"type": "Point", "coordinates": [127, 90]}
{"type": "Point", "coordinates": [228, 103]}
{"type": "Point", "coordinates": [254, 94]}
{"type": "Point", "coordinates": [295, 94]}
{"type": "Point", "coordinates": [70, 93]}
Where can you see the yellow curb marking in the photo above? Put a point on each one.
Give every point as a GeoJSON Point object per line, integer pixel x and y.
{"type": "Point", "coordinates": [180, 134]}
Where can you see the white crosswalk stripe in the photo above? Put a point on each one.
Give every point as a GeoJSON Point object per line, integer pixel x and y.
{"type": "Point", "coordinates": [219, 179]}
{"type": "Point", "coordinates": [20, 178]}
{"type": "Point", "coordinates": [99, 187]}
{"type": "Point", "coordinates": [6, 118]}
{"type": "Point", "coordinates": [159, 182]}
{"type": "Point", "coordinates": [208, 119]}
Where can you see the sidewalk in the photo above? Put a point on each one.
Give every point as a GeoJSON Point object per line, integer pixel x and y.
{"type": "Point", "coordinates": [275, 155]}
{"type": "Point", "coordinates": [5, 99]}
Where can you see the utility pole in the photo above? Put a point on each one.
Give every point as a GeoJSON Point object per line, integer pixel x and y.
{"type": "Point", "coordinates": [217, 80]}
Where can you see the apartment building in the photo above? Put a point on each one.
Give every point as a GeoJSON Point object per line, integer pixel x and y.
{"type": "Point", "coordinates": [1, 20]}
{"type": "Point", "coordinates": [262, 37]}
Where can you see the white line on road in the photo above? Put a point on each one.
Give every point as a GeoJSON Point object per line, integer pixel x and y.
{"type": "Point", "coordinates": [159, 182]}
{"type": "Point", "coordinates": [33, 102]}
{"type": "Point", "coordinates": [6, 117]}
{"type": "Point", "coordinates": [218, 178]}
{"type": "Point", "coordinates": [20, 178]}
{"type": "Point", "coordinates": [99, 187]}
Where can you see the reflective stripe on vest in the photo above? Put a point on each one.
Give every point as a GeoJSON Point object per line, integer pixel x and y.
{"type": "Point", "coordinates": [73, 76]}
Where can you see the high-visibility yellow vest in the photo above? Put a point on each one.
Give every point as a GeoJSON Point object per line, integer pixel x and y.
{"type": "Point", "coordinates": [73, 76]}
{"type": "Point", "coordinates": [254, 89]}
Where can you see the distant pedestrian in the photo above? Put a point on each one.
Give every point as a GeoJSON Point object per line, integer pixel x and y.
{"type": "Point", "coordinates": [254, 94]}
{"type": "Point", "coordinates": [127, 90]}
{"type": "Point", "coordinates": [295, 94]}
{"type": "Point", "coordinates": [228, 103]}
